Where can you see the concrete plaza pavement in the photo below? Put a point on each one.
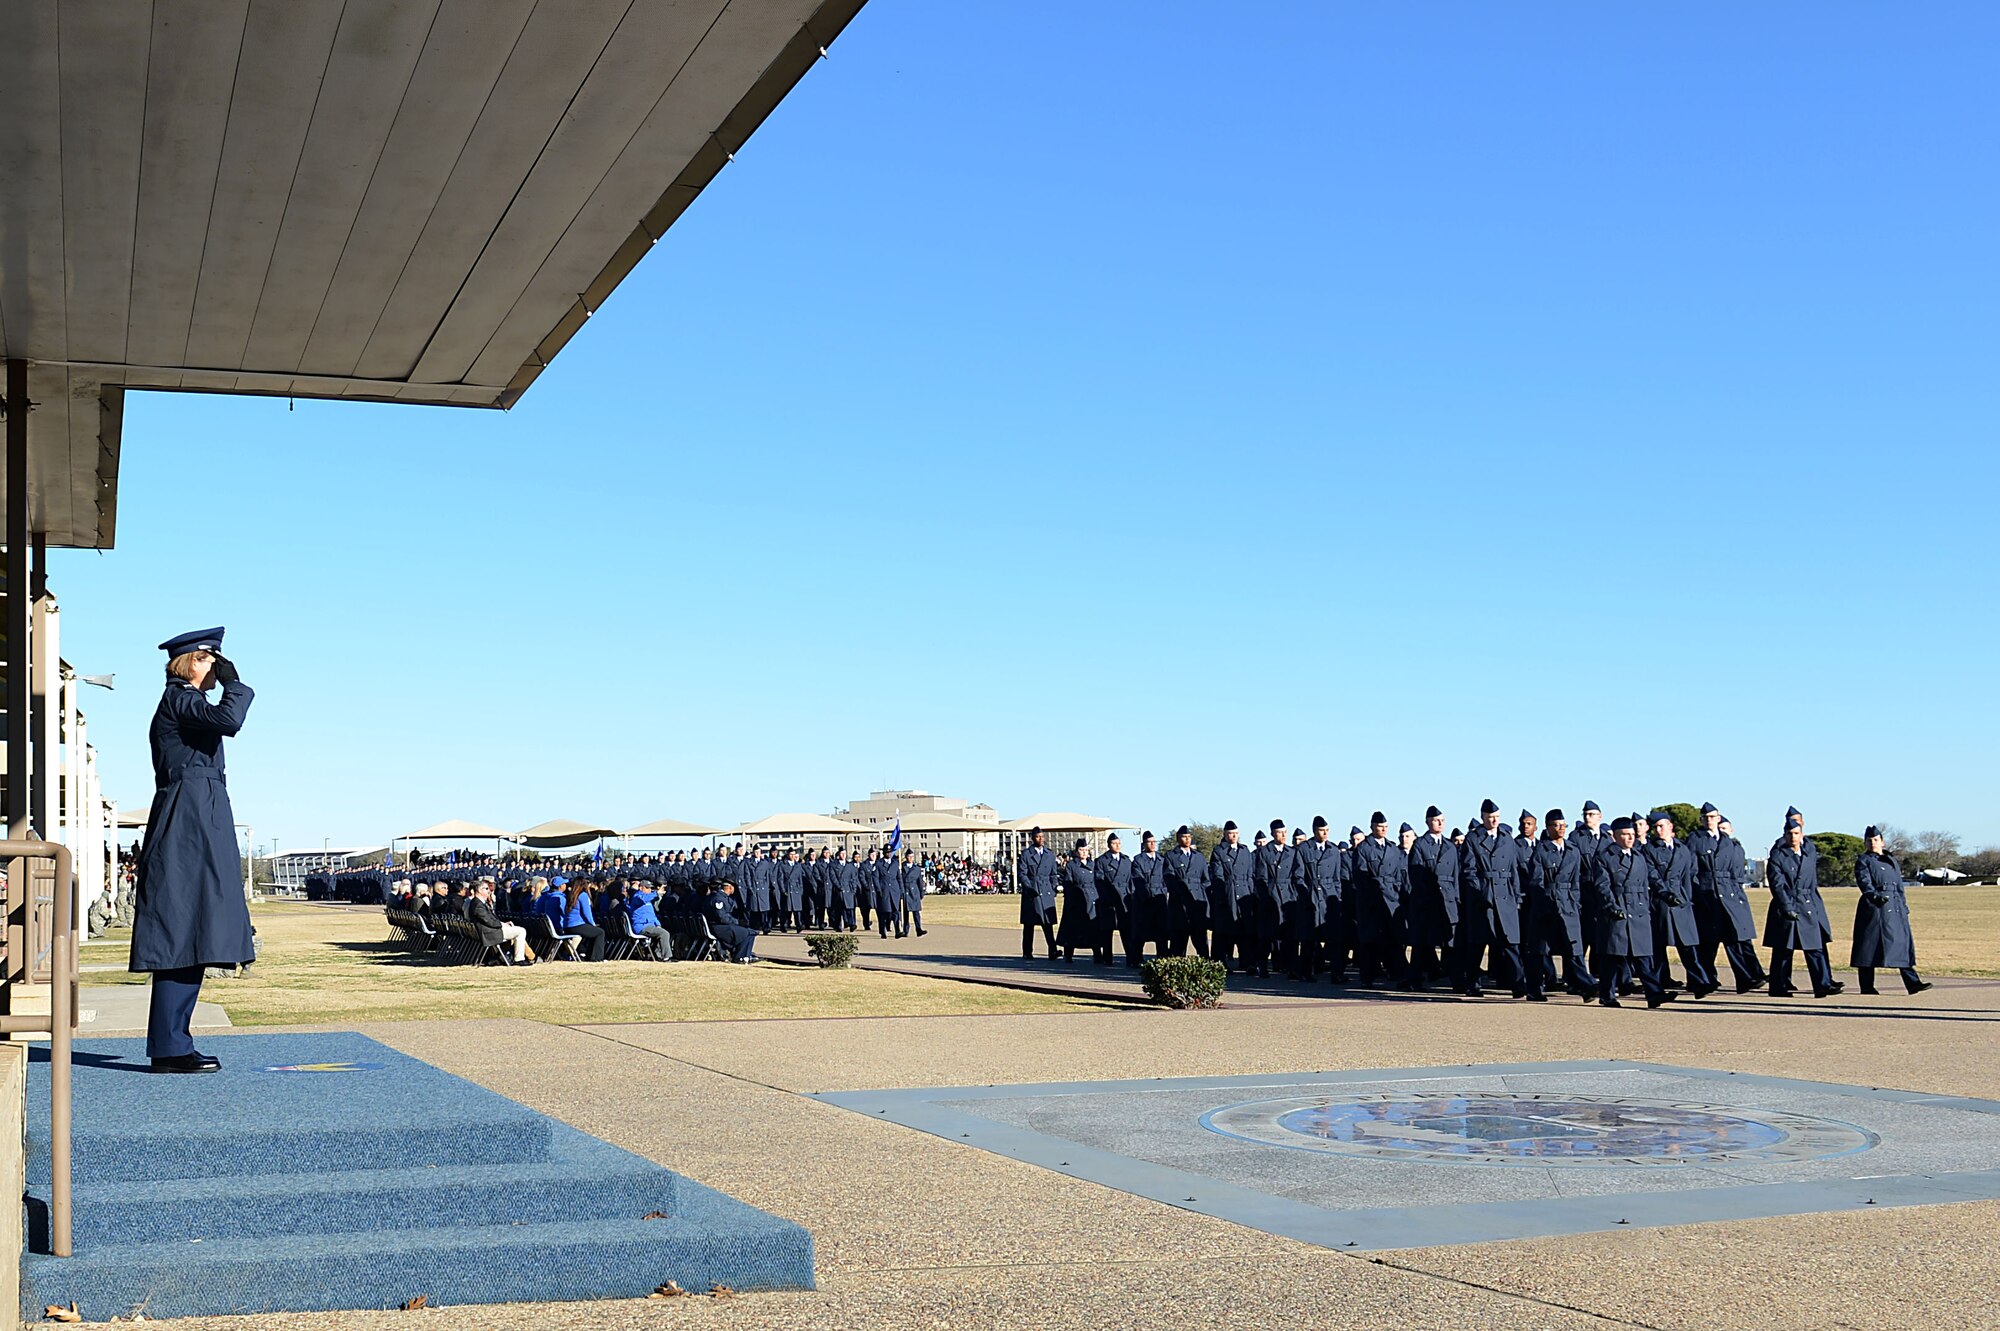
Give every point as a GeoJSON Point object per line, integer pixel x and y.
{"type": "Point", "coordinates": [916, 1231]}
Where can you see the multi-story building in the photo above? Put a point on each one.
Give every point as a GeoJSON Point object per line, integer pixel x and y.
{"type": "Point", "coordinates": [932, 824]}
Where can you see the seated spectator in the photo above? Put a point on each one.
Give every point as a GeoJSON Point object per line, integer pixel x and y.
{"type": "Point", "coordinates": [639, 904]}
{"type": "Point", "coordinates": [580, 919]}
{"type": "Point", "coordinates": [731, 935]}
{"type": "Point", "coordinates": [494, 930]}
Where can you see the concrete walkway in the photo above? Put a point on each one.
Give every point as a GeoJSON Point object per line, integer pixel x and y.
{"type": "Point", "coordinates": [914, 1231]}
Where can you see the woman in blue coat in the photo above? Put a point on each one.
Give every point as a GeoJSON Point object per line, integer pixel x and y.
{"type": "Point", "coordinates": [191, 913]}
{"type": "Point", "coordinates": [1882, 919]}
{"type": "Point", "coordinates": [1797, 918]}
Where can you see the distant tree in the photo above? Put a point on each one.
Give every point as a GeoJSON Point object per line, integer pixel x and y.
{"type": "Point", "coordinates": [1981, 863]}
{"type": "Point", "coordinates": [1687, 818]}
{"type": "Point", "coordinates": [372, 860]}
{"type": "Point", "coordinates": [1935, 849]}
{"type": "Point", "coordinates": [1838, 854]}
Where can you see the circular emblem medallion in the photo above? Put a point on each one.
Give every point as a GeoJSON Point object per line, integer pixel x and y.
{"type": "Point", "coordinates": [1573, 1131]}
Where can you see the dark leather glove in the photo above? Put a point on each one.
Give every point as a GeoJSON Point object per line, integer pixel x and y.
{"type": "Point", "coordinates": [1621, 915]}
{"type": "Point", "coordinates": [1791, 915]}
{"type": "Point", "coordinates": [1877, 900]}
{"type": "Point", "coordinates": [1676, 902]}
{"type": "Point", "coordinates": [225, 671]}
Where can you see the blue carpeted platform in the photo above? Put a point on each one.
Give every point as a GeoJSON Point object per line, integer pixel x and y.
{"type": "Point", "coordinates": [329, 1171]}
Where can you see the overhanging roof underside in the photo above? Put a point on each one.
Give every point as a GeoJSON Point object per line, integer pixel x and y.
{"type": "Point", "coordinates": [393, 200]}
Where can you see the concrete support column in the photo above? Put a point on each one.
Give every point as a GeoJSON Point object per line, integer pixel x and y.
{"type": "Point", "coordinates": [16, 627]}
{"type": "Point", "coordinates": [45, 700]}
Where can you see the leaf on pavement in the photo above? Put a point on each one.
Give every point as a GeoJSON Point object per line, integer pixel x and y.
{"type": "Point", "coordinates": [420, 1301]}
{"type": "Point", "coordinates": [57, 1313]}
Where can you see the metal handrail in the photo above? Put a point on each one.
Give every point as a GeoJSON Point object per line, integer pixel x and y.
{"type": "Point", "coordinates": [59, 1023]}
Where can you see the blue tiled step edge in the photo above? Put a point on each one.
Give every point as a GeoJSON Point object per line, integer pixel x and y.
{"type": "Point", "coordinates": [576, 1183]}
{"type": "Point", "coordinates": [701, 1247]}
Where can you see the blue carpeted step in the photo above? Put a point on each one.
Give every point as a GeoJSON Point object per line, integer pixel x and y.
{"type": "Point", "coordinates": [576, 1183]}
{"type": "Point", "coordinates": [522, 1263]}
{"type": "Point", "coordinates": [327, 1171]}
{"type": "Point", "coordinates": [267, 1112]}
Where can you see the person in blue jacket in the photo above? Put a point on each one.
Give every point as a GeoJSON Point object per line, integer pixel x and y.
{"type": "Point", "coordinates": [1882, 919]}
{"type": "Point", "coordinates": [1230, 885]}
{"type": "Point", "coordinates": [1797, 919]}
{"type": "Point", "coordinates": [889, 896]}
{"type": "Point", "coordinates": [1673, 906]}
{"type": "Point", "coordinates": [843, 880]}
{"type": "Point", "coordinates": [788, 896]}
{"type": "Point", "coordinates": [865, 874]}
{"type": "Point", "coordinates": [1622, 882]}
{"type": "Point", "coordinates": [190, 910]}
{"type": "Point", "coordinates": [580, 918]}
{"type": "Point", "coordinates": [1187, 897]}
{"type": "Point", "coordinates": [1314, 906]}
{"type": "Point", "coordinates": [1552, 922]}
{"type": "Point", "coordinates": [1722, 915]}
{"type": "Point", "coordinates": [1035, 880]}
{"type": "Point", "coordinates": [1078, 926]}
{"type": "Point", "coordinates": [1489, 905]}
{"type": "Point", "coordinates": [1148, 919]}
{"type": "Point", "coordinates": [640, 907]}
{"type": "Point", "coordinates": [911, 881]}
{"type": "Point", "coordinates": [1433, 901]}
{"type": "Point", "coordinates": [1111, 874]}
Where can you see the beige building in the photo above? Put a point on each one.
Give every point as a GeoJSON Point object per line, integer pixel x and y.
{"type": "Point", "coordinates": [932, 824]}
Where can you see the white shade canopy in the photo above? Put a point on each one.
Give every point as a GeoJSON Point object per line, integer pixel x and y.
{"type": "Point", "coordinates": [671, 827]}
{"type": "Point", "coordinates": [456, 829]}
{"type": "Point", "coordinates": [560, 832]}
{"type": "Point", "coordinates": [930, 820]}
{"type": "Point", "coordinates": [795, 824]}
{"type": "Point", "coordinates": [133, 817]}
{"type": "Point", "coordinates": [1066, 822]}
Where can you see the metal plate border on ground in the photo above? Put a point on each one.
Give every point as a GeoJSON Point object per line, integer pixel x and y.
{"type": "Point", "coordinates": [941, 1112]}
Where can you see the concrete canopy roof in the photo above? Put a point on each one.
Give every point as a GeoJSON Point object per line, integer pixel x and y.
{"type": "Point", "coordinates": [391, 200]}
{"type": "Point", "coordinates": [671, 827]}
{"type": "Point", "coordinates": [456, 829]}
{"type": "Point", "coordinates": [1066, 822]}
{"type": "Point", "coordinates": [558, 833]}
{"type": "Point", "coordinates": [795, 824]}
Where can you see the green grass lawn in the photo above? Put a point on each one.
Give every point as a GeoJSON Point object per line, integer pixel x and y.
{"type": "Point", "coordinates": [319, 964]}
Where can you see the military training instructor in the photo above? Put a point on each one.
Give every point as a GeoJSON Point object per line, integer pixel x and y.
{"type": "Point", "coordinates": [191, 910]}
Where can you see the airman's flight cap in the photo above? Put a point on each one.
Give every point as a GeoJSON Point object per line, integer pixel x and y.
{"type": "Point", "coordinates": [202, 640]}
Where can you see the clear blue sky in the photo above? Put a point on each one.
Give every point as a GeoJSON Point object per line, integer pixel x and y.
{"type": "Point", "coordinates": [1176, 411]}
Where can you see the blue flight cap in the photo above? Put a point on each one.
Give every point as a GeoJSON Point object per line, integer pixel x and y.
{"type": "Point", "coordinates": [1622, 825]}
{"type": "Point", "coordinates": [1555, 816]}
{"type": "Point", "coordinates": [201, 640]}
{"type": "Point", "coordinates": [1871, 833]}
{"type": "Point", "coordinates": [1790, 823]}
{"type": "Point", "coordinates": [1378, 819]}
{"type": "Point", "coordinates": [1404, 828]}
{"type": "Point", "coordinates": [1590, 806]}
{"type": "Point", "coordinates": [1486, 807]}
{"type": "Point", "coordinates": [1707, 809]}
{"type": "Point", "coordinates": [1792, 811]}
{"type": "Point", "coordinates": [1659, 816]}
{"type": "Point", "coordinates": [1354, 831]}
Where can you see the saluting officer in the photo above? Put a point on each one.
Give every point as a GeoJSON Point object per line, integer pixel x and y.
{"type": "Point", "coordinates": [190, 909]}
{"type": "Point", "coordinates": [1035, 877]}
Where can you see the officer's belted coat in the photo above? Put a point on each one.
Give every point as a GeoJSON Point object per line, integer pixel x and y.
{"type": "Point", "coordinates": [190, 906]}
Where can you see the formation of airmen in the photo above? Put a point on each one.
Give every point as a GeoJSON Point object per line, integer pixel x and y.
{"type": "Point", "coordinates": [774, 893]}
{"type": "Point", "coordinates": [1591, 909]}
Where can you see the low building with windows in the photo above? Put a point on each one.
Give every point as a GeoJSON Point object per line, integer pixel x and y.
{"type": "Point", "coordinates": [932, 824]}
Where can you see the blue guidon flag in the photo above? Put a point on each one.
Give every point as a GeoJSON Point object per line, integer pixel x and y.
{"type": "Point", "coordinates": [598, 858]}
{"type": "Point", "coordinates": [896, 835]}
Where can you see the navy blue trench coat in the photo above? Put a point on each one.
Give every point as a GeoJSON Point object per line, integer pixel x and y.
{"type": "Point", "coordinates": [190, 906]}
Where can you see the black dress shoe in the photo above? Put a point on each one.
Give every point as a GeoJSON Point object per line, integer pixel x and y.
{"type": "Point", "coordinates": [1609, 1002]}
{"type": "Point", "coordinates": [1664, 996]}
{"type": "Point", "coordinates": [186, 1063]}
{"type": "Point", "coordinates": [1789, 991]}
{"type": "Point", "coordinates": [1870, 990]}
{"type": "Point", "coordinates": [209, 1059]}
{"type": "Point", "coordinates": [1536, 998]}
{"type": "Point", "coordinates": [1918, 987]}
